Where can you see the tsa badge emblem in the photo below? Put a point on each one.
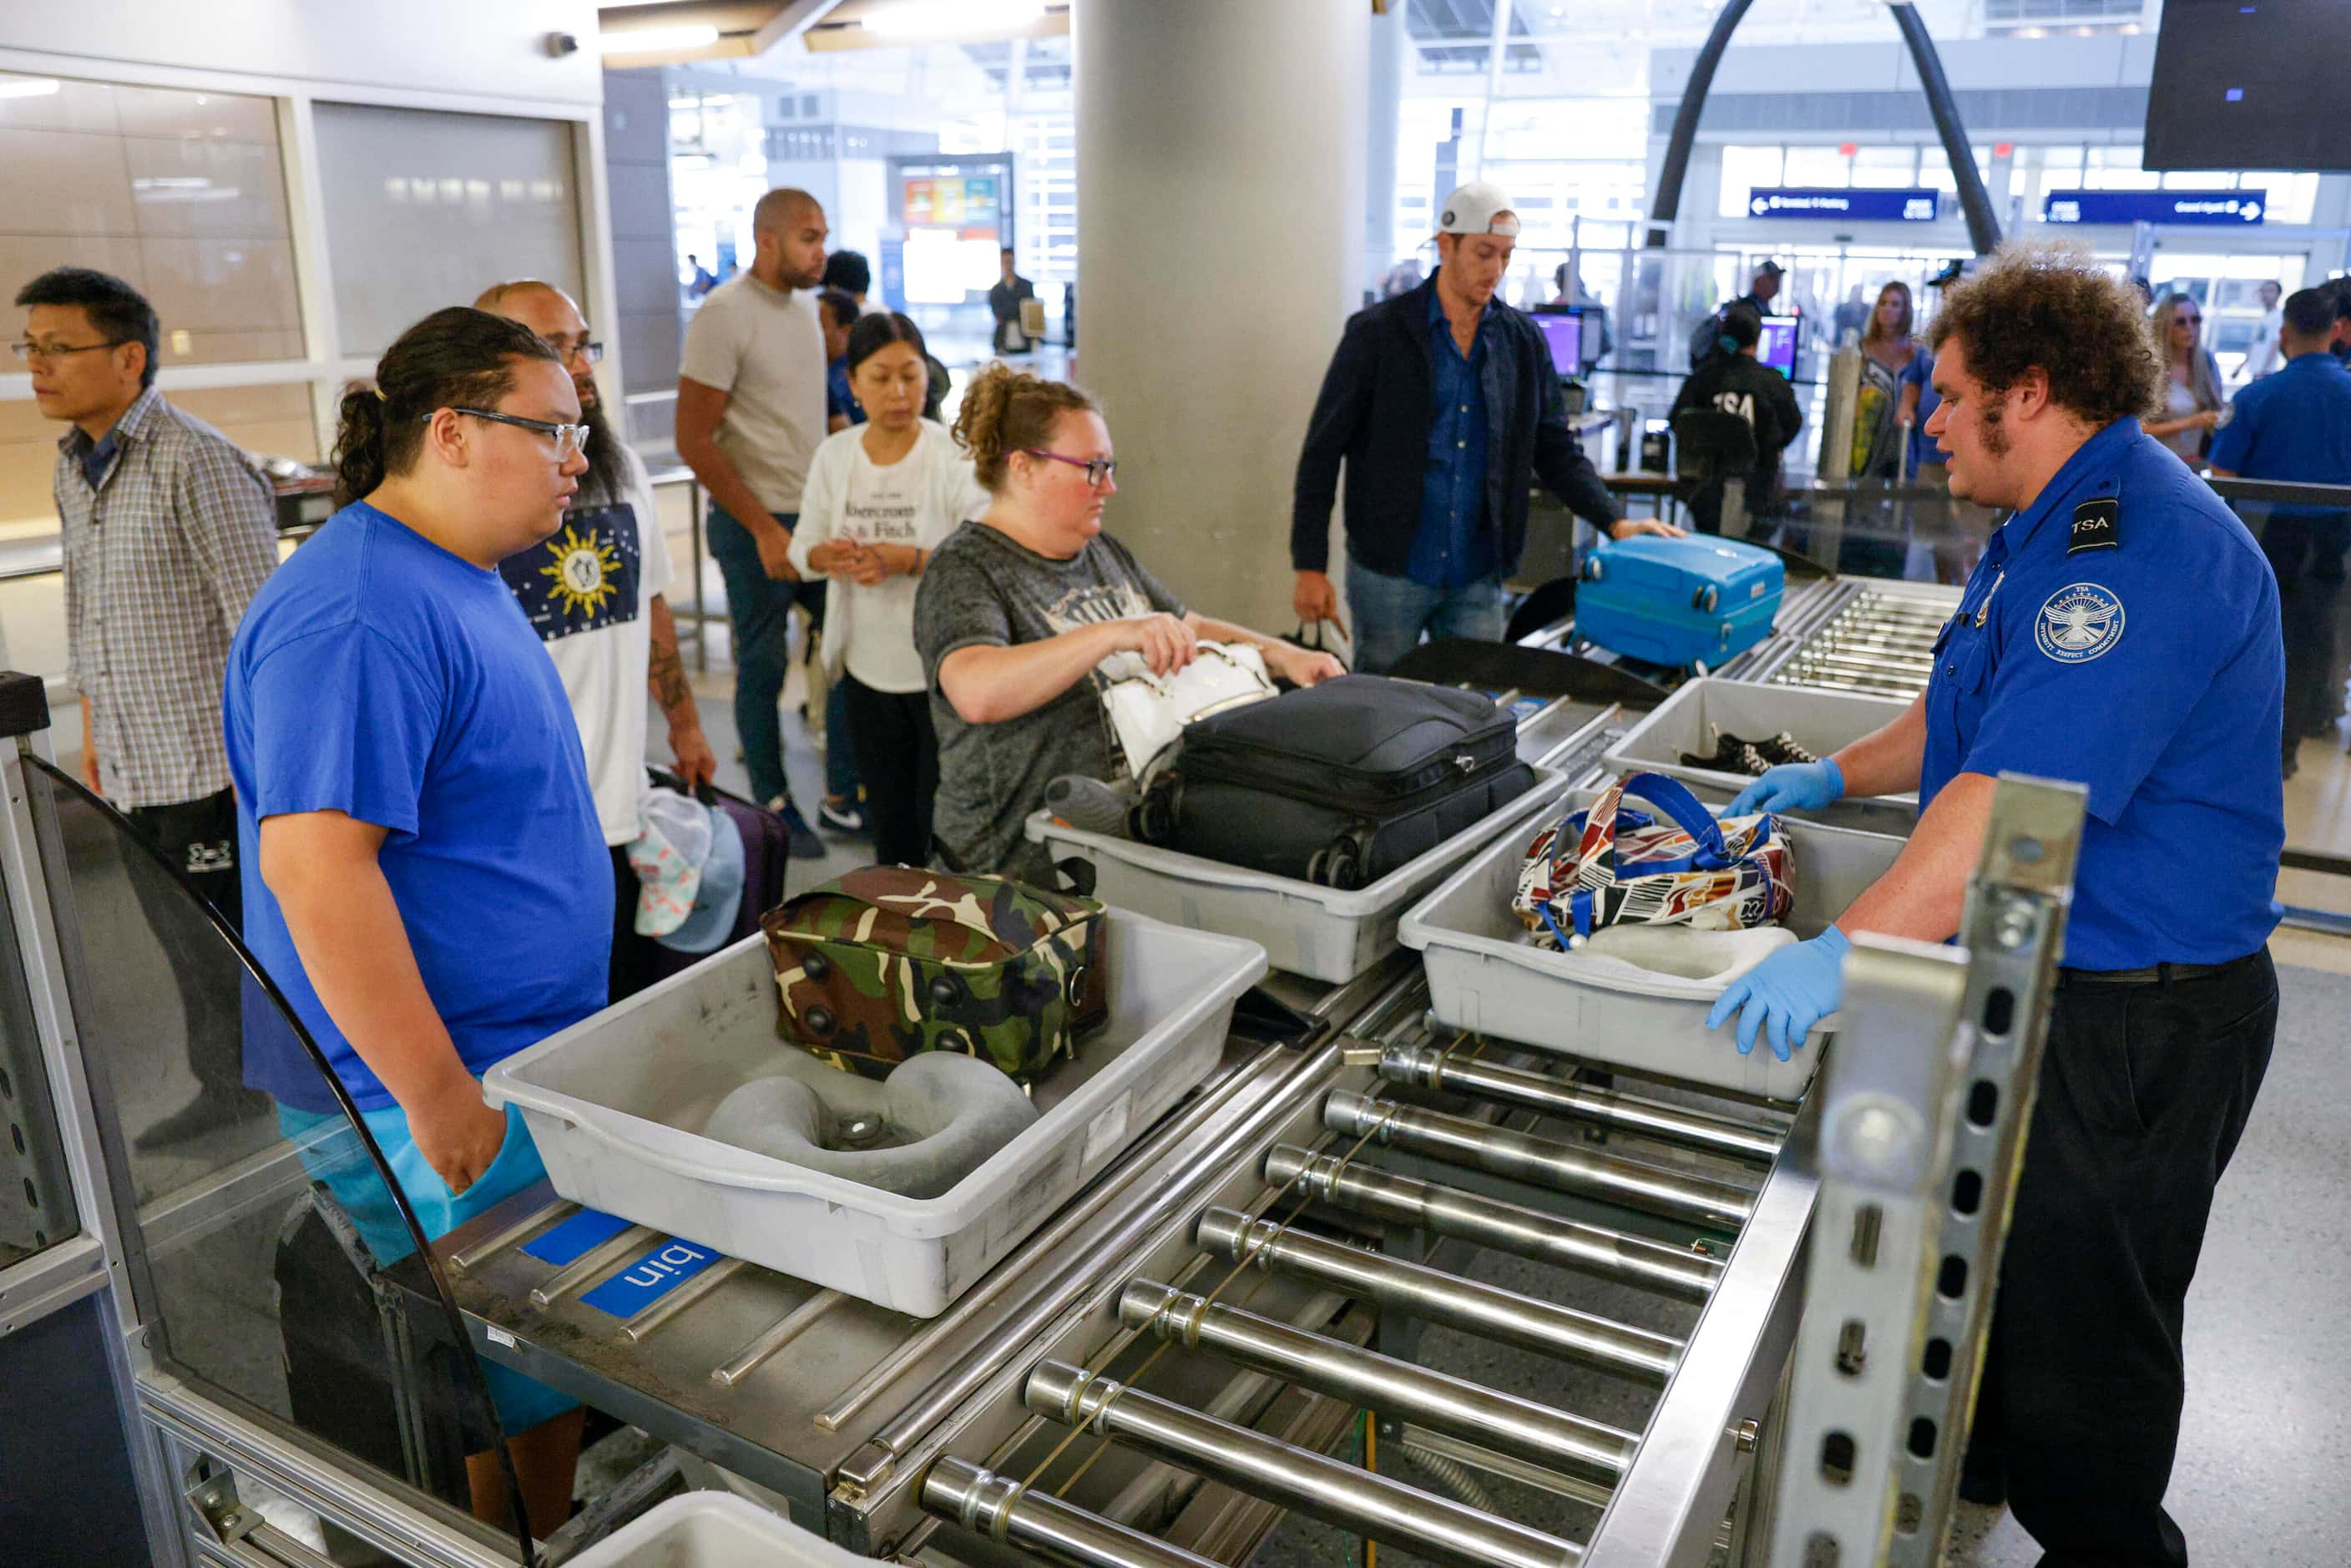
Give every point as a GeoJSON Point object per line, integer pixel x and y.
{"type": "Point", "coordinates": [2078, 623]}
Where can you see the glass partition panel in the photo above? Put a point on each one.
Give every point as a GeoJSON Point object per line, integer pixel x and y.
{"type": "Point", "coordinates": [274, 1259]}
{"type": "Point", "coordinates": [37, 1199]}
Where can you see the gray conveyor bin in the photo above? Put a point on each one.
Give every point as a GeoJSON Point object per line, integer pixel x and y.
{"type": "Point", "coordinates": [1321, 933]}
{"type": "Point", "coordinates": [1485, 974]}
{"type": "Point", "coordinates": [1819, 721]}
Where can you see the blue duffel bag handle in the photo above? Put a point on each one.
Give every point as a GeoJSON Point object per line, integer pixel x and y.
{"type": "Point", "coordinates": [1686, 812]}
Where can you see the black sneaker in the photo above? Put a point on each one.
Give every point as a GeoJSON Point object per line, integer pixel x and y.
{"type": "Point", "coordinates": [1726, 757]}
{"type": "Point", "coordinates": [844, 818]}
{"type": "Point", "coordinates": [805, 845]}
{"type": "Point", "coordinates": [1782, 748]}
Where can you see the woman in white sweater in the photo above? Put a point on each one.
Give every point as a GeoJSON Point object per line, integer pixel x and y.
{"type": "Point", "coordinates": [880, 496]}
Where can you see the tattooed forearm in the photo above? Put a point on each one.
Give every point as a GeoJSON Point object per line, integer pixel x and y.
{"type": "Point", "coordinates": [665, 673]}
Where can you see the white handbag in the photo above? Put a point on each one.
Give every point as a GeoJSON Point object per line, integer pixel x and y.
{"type": "Point", "coordinates": [1147, 713]}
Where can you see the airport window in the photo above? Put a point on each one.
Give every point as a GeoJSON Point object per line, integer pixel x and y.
{"type": "Point", "coordinates": [1885, 168]}
{"type": "Point", "coordinates": [2118, 169]}
{"type": "Point", "coordinates": [422, 205]}
{"type": "Point", "coordinates": [182, 195]}
{"type": "Point", "coordinates": [1743, 170]}
{"type": "Point", "coordinates": [1825, 167]}
{"type": "Point", "coordinates": [1935, 167]}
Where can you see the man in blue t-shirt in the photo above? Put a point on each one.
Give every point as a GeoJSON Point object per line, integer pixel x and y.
{"type": "Point", "coordinates": [424, 877]}
{"type": "Point", "coordinates": [2294, 423]}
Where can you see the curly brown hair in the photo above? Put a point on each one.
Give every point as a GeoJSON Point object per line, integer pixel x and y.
{"type": "Point", "coordinates": [2052, 309]}
{"type": "Point", "coordinates": [1005, 411]}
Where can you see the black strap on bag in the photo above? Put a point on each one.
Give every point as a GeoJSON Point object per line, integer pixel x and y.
{"type": "Point", "coordinates": [707, 792]}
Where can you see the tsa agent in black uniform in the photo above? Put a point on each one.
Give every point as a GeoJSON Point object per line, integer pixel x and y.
{"type": "Point", "coordinates": [1736, 383]}
{"type": "Point", "coordinates": [2121, 631]}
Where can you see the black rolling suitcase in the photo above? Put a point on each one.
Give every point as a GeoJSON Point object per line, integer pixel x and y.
{"type": "Point", "coordinates": [1338, 784]}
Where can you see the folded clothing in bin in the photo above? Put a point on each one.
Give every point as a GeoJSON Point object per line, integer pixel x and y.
{"type": "Point", "coordinates": [1709, 958]}
{"type": "Point", "coordinates": [890, 961]}
{"type": "Point", "coordinates": [1612, 866]}
{"type": "Point", "coordinates": [1337, 784]}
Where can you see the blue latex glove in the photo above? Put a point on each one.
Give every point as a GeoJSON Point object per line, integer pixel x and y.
{"type": "Point", "coordinates": [1786, 994]}
{"type": "Point", "coordinates": [1792, 787]}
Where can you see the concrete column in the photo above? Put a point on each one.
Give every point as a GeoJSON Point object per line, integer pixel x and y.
{"type": "Point", "coordinates": [1390, 55]}
{"type": "Point", "coordinates": [644, 247]}
{"type": "Point", "coordinates": [1220, 209]}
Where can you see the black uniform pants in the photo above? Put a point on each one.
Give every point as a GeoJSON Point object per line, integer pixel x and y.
{"type": "Point", "coordinates": [197, 839]}
{"type": "Point", "coordinates": [2144, 1092]}
{"type": "Point", "coordinates": [2306, 555]}
{"type": "Point", "coordinates": [898, 757]}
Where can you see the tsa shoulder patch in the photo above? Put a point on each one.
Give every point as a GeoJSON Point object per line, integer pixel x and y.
{"type": "Point", "coordinates": [2097, 524]}
{"type": "Point", "coordinates": [2078, 623]}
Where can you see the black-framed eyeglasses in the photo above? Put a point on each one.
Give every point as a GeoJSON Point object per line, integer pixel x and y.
{"type": "Point", "coordinates": [587, 348]}
{"type": "Point", "coordinates": [1099, 470]}
{"type": "Point", "coordinates": [27, 351]}
{"type": "Point", "coordinates": [568, 438]}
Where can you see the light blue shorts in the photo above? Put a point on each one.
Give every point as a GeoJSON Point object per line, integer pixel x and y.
{"type": "Point", "coordinates": [341, 1165]}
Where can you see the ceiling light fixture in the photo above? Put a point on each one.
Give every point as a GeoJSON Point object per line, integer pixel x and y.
{"type": "Point", "coordinates": [656, 40]}
{"type": "Point", "coordinates": [30, 86]}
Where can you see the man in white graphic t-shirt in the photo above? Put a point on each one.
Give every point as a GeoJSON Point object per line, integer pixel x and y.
{"type": "Point", "coordinates": [594, 595]}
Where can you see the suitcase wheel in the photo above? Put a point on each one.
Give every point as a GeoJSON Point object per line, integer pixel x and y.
{"type": "Point", "coordinates": [1594, 567]}
{"type": "Point", "coordinates": [1339, 864]}
{"type": "Point", "coordinates": [1155, 817]}
{"type": "Point", "coordinates": [1706, 599]}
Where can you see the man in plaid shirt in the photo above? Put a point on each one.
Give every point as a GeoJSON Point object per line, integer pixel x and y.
{"type": "Point", "coordinates": [169, 531]}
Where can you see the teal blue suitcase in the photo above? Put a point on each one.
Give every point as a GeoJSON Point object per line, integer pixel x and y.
{"type": "Point", "coordinates": [1683, 603]}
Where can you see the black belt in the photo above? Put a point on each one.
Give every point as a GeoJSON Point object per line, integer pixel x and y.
{"type": "Point", "coordinates": [2154, 975]}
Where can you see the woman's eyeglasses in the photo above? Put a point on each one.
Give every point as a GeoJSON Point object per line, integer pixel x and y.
{"type": "Point", "coordinates": [568, 438]}
{"type": "Point", "coordinates": [1100, 471]}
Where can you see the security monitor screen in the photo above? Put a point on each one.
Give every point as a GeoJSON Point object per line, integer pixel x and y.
{"type": "Point", "coordinates": [1777, 348]}
{"type": "Point", "coordinates": [1565, 334]}
{"type": "Point", "coordinates": [2247, 84]}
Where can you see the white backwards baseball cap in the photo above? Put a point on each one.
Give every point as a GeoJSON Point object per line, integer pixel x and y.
{"type": "Point", "coordinates": [1479, 207]}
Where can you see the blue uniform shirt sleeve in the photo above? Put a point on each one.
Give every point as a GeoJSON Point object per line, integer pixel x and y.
{"type": "Point", "coordinates": [2233, 440]}
{"type": "Point", "coordinates": [342, 721]}
{"type": "Point", "coordinates": [2076, 695]}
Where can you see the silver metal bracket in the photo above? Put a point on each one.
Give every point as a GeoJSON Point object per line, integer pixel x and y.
{"type": "Point", "coordinates": [1922, 1132]}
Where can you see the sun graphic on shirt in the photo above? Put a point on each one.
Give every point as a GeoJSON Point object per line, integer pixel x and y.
{"type": "Point", "coordinates": [585, 570]}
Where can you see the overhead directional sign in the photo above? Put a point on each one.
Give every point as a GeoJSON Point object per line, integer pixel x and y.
{"type": "Point", "coordinates": [2233, 209]}
{"type": "Point", "coordinates": [1866, 207]}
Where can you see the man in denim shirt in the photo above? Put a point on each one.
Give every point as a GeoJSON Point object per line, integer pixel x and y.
{"type": "Point", "coordinates": [1443, 403]}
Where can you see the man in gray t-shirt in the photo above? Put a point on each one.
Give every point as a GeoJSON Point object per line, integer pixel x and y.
{"type": "Point", "coordinates": [983, 589]}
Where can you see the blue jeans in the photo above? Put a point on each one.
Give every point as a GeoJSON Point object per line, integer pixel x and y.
{"type": "Point", "coordinates": [1391, 612]}
{"type": "Point", "coordinates": [757, 608]}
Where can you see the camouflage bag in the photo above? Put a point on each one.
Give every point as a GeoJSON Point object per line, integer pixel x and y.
{"type": "Point", "coordinates": [889, 961]}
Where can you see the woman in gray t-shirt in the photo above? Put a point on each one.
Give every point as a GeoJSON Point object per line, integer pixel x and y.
{"type": "Point", "coordinates": [1019, 612]}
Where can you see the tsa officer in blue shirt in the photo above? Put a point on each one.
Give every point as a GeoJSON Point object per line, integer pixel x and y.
{"type": "Point", "coordinates": [2121, 631]}
{"type": "Point", "coordinates": [2295, 424]}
